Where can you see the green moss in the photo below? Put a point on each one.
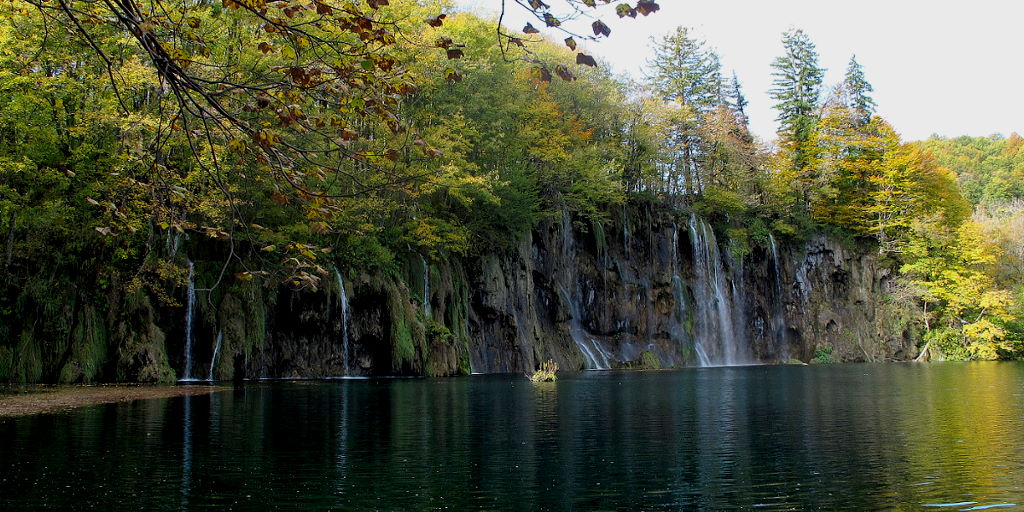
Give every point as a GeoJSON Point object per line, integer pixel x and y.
{"type": "Point", "coordinates": [141, 351]}
{"type": "Point", "coordinates": [28, 362]}
{"type": "Point", "coordinates": [242, 319]}
{"type": "Point", "coordinates": [599, 236]}
{"type": "Point", "coordinates": [823, 355]}
{"type": "Point", "coordinates": [6, 364]}
{"type": "Point", "coordinates": [459, 318]}
{"type": "Point", "coordinates": [649, 361]}
{"type": "Point", "coordinates": [407, 334]}
{"type": "Point", "coordinates": [88, 350]}
{"type": "Point", "coordinates": [739, 242]}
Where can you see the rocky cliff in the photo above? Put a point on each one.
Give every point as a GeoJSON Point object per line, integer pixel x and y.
{"type": "Point", "coordinates": [650, 287]}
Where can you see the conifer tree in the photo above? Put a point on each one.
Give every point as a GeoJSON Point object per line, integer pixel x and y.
{"type": "Point", "coordinates": [686, 70]}
{"type": "Point", "coordinates": [797, 81]}
{"type": "Point", "coordinates": [736, 100]}
{"type": "Point", "coordinates": [857, 88]}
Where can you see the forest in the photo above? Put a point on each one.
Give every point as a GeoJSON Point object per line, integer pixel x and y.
{"type": "Point", "coordinates": [285, 139]}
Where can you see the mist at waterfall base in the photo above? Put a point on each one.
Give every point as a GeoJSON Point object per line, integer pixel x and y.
{"type": "Point", "coordinates": [850, 437]}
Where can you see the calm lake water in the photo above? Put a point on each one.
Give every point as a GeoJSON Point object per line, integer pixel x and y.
{"type": "Point", "coordinates": [851, 437]}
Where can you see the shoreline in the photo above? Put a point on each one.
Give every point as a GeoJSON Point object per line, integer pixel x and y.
{"type": "Point", "coordinates": [27, 400]}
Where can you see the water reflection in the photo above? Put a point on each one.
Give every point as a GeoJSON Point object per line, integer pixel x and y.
{"type": "Point", "coordinates": [186, 451]}
{"type": "Point", "coordinates": [858, 437]}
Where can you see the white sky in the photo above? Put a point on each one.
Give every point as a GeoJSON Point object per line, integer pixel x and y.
{"type": "Point", "coordinates": [938, 66]}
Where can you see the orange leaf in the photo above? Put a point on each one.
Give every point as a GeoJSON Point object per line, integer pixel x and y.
{"type": "Point", "coordinates": [436, 21]}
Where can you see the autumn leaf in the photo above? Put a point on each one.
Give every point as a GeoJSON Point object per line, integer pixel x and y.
{"type": "Point", "coordinates": [571, 43]}
{"type": "Point", "coordinates": [582, 58]}
{"type": "Point", "coordinates": [265, 47]}
{"type": "Point", "coordinates": [451, 75]}
{"type": "Point", "coordinates": [600, 28]}
{"type": "Point", "coordinates": [646, 7]}
{"type": "Point", "coordinates": [455, 53]}
{"type": "Point", "coordinates": [376, 4]}
{"type": "Point", "coordinates": [324, 9]}
{"type": "Point", "coordinates": [530, 29]}
{"type": "Point", "coordinates": [550, 20]}
{"type": "Point", "coordinates": [542, 74]}
{"type": "Point", "coordinates": [564, 73]}
{"type": "Point", "coordinates": [436, 21]}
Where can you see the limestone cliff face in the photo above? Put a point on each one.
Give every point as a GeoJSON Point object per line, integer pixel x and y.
{"type": "Point", "coordinates": [839, 297]}
{"type": "Point", "coordinates": [650, 286]}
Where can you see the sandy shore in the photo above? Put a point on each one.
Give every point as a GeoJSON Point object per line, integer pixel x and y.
{"type": "Point", "coordinates": [26, 400]}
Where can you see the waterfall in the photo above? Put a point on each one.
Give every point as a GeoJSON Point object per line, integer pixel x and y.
{"type": "Point", "coordinates": [625, 232]}
{"type": "Point", "coordinates": [190, 306]}
{"type": "Point", "coordinates": [596, 357]}
{"type": "Point", "coordinates": [426, 286]}
{"type": "Point", "coordinates": [344, 320]}
{"type": "Point", "coordinates": [680, 328]}
{"type": "Point", "coordinates": [716, 342]}
{"type": "Point", "coordinates": [173, 242]}
{"type": "Point", "coordinates": [739, 304]}
{"type": "Point", "coordinates": [779, 312]}
{"type": "Point", "coordinates": [216, 350]}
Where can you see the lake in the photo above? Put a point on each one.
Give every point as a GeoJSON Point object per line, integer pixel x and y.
{"type": "Point", "coordinates": [944, 436]}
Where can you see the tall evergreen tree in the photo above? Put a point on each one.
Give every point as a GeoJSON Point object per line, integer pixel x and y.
{"type": "Point", "coordinates": [797, 81]}
{"type": "Point", "coordinates": [736, 100]}
{"type": "Point", "coordinates": [686, 70]}
{"type": "Point", "coordinates": [857, 88]}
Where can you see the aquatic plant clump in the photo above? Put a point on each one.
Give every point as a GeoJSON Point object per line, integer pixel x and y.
{"type": "Point", "coordinates": [546, 373]}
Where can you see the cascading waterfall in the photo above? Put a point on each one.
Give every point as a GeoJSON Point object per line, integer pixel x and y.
{"type": "Point", "coordinates": [190, 304]}
{"type": "Point", "coordinates": [680, 334]}
{"type": "Point", "coordinates": [739, 305]}
{"type": "Point", "coordinates": [779, 312]}
{"type": "Point", "coordinates": [216, 350]}
{"type": "Point", "coordinates": [625, 232]}
{"type": "Point", "coordinates": [597, 358]}
{"type": "Point", "coordinates": [173, 242]}
{"type": "Point", "coordinates": [714, 329]}
{"type": "Point", "coordinates": [426, 286]}
{"type": "Point", "coordinates": [343, 297]}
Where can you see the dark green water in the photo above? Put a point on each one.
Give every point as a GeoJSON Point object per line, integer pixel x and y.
{"type": "Point", "coordinates": [854, 437]}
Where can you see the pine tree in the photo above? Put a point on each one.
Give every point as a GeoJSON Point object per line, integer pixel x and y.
{"type": "Point", "coordinates": [686, 70]}
{"type": "Point", "coordinates": [736, 100]}
{"type": "Point", "coordinates": [797, 80]}
{"type": "Point", "coordinates": [857, 88]}
{"type": "Point", "coordinates": [797, 85]}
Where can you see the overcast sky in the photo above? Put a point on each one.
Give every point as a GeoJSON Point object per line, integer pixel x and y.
{"type": "Point", "coordinates": [938, 66]}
